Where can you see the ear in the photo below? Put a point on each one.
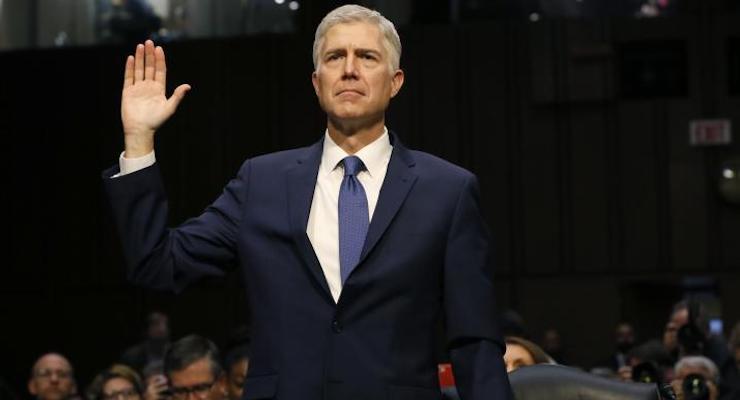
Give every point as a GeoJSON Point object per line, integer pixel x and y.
{"type": "Point", "coordinates": [396, 82]}
{"type": "Point", "coordinates": [221, 385]}
{"type": "Point", "coordinates": [315, 82]}
{"type": "Point", "coordinates": [32, 387]}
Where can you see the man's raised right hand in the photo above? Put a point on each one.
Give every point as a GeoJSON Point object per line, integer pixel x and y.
{"type": "Point", "coordinates": [144, 105]}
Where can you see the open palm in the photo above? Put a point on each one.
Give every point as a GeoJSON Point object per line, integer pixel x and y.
{"type": "Point", "coordinates": [144, 104]}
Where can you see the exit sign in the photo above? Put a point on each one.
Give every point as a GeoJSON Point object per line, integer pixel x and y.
{"type": "Point", "coordinates": [710, 132]}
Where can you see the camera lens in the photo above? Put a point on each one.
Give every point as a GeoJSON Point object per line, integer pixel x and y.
{"type": "Point", "coordinates": [695, 388]}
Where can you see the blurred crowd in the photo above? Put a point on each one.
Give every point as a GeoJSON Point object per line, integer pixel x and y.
{"type": "Point", "coordinates": [192, 367]}
{"type": "Point", "coordinates": [689, 362]}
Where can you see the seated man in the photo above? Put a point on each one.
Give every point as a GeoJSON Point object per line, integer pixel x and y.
{"type": "Point", "coordinates": [192, 368]}
{"type": "Point", "coordinates": [52, 378]}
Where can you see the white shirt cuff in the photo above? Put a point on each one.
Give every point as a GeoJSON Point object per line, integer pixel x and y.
{"type": "Point", "coordinates": [130, 165]}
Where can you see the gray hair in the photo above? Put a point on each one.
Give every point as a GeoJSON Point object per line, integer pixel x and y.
{"type": "Point", "coordinates": [354, 13]}
{"type": "Point", "coordinates": [699, 362]}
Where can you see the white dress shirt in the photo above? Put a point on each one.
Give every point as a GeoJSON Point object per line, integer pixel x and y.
{"type": "Point", "coordinates": [323, 219]}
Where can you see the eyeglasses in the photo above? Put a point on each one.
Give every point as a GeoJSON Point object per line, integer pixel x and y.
{"type": "Point", "coordinates": [121, 394]}
{"type": "Point", "coordinates": [48, 373]}
{"type": "Point", "coordinates": [199, 391]}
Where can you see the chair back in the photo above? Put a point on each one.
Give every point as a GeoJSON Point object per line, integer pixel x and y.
{"type": "Point", "coordinates": [557, 382]}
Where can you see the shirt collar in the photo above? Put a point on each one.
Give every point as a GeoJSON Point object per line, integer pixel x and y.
{"type": "Point", "coordinates": [375, 155]}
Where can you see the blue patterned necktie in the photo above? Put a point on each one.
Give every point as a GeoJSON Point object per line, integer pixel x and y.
{"type": "Point", "coordinates": [354, 218]}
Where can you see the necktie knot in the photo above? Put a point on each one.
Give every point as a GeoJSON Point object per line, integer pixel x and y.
{"type": "Point", "coordinates": [352, 165]}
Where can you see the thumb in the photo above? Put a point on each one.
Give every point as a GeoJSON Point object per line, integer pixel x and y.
{"type": "Point", "coordinates": [177, 97]}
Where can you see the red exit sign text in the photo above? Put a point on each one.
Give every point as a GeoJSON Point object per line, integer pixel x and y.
{"type": "Point", "coordinates": [710, 132]}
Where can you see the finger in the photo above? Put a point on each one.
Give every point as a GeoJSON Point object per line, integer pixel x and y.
{"type": "Point", "coordinates": [149, 60]}
{"type": "Point", "coordinates": [128, 75]}
{"type": "Point", "coordinates": [160, 71]}
{"type": "Point", "coordinates": [177, 97]}
{"type": "Point", "coordinates": [139, 63]}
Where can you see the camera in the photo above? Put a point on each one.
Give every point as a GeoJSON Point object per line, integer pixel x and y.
{"type": "Point", "coordinates": [648, 372]}
{"type": "Point", "coordinates": [695, 387]}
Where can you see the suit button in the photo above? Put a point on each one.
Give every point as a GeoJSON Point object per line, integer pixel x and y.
{"type": "Point", "coordinates": [336, 326]}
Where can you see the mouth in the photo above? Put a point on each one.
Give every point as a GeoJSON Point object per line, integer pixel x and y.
{"type": "Point", "coordinates": [350, 92]}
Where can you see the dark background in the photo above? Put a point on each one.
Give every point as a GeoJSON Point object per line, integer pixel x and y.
{"type": "Point", "coordinates": [577, 129]}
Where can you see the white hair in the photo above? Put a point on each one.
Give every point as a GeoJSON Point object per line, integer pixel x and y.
{"type": "Point", "coordinates": [354, 13]}
{"type": "Point", "coordinates": [699, 362]}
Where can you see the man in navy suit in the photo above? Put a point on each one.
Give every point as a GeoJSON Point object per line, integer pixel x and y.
{"type": "Point", "coordinates": [351, 249]}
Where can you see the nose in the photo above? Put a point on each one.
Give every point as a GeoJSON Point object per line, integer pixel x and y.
{"type": "Point", "coordinates": [350, 67]}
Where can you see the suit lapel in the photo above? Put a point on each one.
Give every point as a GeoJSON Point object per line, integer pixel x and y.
{"type": "Point", "coordinates": [399, 179]}
{"type": "Point", "coordinates": [301, 186]}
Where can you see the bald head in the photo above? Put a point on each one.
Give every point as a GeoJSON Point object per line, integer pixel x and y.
{"type": "Point", "coordinates": [52, 378]}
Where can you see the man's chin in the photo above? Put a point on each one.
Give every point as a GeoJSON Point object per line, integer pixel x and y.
{"type": "Point", "coordinates": [352, 122]}
{"type": "Point", "coordinates": [348, 114]}
{"type": "Point", "coordinates": [54, 395]}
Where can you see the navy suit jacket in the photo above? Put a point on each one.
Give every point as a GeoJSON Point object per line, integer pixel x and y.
{"type": "Point", "coordinates": [426, 255]}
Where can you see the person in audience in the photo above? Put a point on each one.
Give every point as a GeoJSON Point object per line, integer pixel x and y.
{"type": "Point", "coordinates": [152, 349]}
{"type": "Point", "coordinates": [691, 317]}
{"type": "Point", "coordinates": [649, 358]}
{"type": "Point", "coordinates": [624, 338]}
{"type": "Point", "coordinates": [52, 378]}
{"type": "Point", "coordinates": [624, 341]}
{"type": "Point", "coordinates": [236, 363]}
{"type": "Point", "coordinates": [734, 344]}
{"type": "Point", "coordinates": [193, 370]}
{"type": "Point", "coordinates": [521, 352]}
{"type": "Point", "coordinates": [553, 345]}
{"type": "Point", "coordinates": [690, 368]}
{"type": "Point", "coordinates": [155, 383]}
{"type": "Point", "coordinates": [118, 382]}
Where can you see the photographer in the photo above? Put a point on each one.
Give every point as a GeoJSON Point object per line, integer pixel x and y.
{"type": "Point", "coordinates": [687, 334]}
{"type": "Point", "coordinates": [696, 378]}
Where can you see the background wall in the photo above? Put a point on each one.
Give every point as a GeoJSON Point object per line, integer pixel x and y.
{"type": "Point", "coordinates": [578, 131]}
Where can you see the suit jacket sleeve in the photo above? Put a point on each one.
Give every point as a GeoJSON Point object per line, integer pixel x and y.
{"type": "Point", "coordinates": [476, 348]}
{"type": "Point", "coordinates": [168, 259]}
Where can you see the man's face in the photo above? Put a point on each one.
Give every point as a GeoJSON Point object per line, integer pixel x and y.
{"type": "Point", "coordinates": [670, 334]}
{"type": "Point", "coordinates": [196, 382]}
{"type": "Point", "coordinates": [353, 80]}
{"type": "Point", "coordinates": [52, 378]}
{"type": "Point", "coordinates": [235, 379]}
{"type": "Point", "coordinates": [680, 317]}
{"type": "Point", "coordinates": [551, 341]}
{"type": "Point", "coordinates": [624, 337]}
{"type": "Point", "coordinates": [158, 326]}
